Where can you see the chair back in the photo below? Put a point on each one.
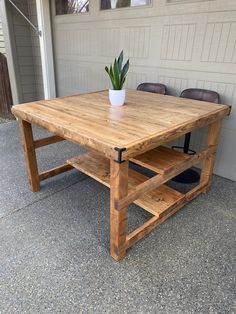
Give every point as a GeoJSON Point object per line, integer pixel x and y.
{"type": "Point", "coordinates": [153, 88]}
{"type": "Point", "coordinates": [201, 94]}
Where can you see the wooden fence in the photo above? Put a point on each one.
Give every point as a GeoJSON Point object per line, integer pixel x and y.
{"type": "Point", "coordinates": [5, 89]}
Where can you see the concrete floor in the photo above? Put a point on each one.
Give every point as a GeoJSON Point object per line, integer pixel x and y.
{"type": "Point", "coordinates": [54, 246]}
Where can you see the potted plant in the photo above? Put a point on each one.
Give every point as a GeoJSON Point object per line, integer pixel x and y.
{"type": "Point", "coordinates": [117, 74]}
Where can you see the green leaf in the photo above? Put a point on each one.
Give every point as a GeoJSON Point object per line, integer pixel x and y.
{"type": "Point", "coordinates": [124, 72]}
{"type": "Point", "coordinates": [107, 70]}
{"type": "Point", "coordinates": [116, 75]}
{"type": "Point", "coordinates": [109, 73]}
{"type": "Point", "coordinates": [120, 60]}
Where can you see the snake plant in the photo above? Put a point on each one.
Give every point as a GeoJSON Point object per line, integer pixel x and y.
{"type": "Point", "coordinates": [117, 73]}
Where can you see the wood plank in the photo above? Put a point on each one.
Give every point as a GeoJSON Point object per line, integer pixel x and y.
{"type": "Point", "coordinates": [155, 201]}
{"type": "Point", "coordinates": [94, 165]}
{"type": "Point", "coordinates": [158, 180]}
{"type": "Point", "coordinates": [208, 163]}
{"type": "Point", "coordinates": [152, 223]}
{"type": "Point", "coordinates": [118, 218]}
{"type": "Point", "coordinates": [30, 155]}
{"type": "Point", "coordinates": [54, 171]}
{"type": "Point", "coordinates": [97, 167]}
{"type": "Point", "coordinates": [160, 160]}
{"type": "Point", "coordinates": [47, 141]}
{"type": "Point", "coordinates": [89, 120]}
{"type": "Point", "coordinates": [171, 134]}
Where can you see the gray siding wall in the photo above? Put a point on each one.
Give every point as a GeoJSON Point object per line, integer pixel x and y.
{"type": "Point", "coordinates": [27, 52]}
{"type": "Point", "coordinates": [36, 50]}
{"type": "Point", "coordinates": [2, 44]}
{"type": "Point", "coordinates": [181, 43]}
{"type": "Point", "coordinates": [21, 37]}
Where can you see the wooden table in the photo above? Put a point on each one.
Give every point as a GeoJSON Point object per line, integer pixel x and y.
{"type": "Point", "coordinates": [114, 136]}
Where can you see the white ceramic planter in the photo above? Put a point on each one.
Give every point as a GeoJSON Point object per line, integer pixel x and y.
{"type": "Point", "coordinates": [117, 97]}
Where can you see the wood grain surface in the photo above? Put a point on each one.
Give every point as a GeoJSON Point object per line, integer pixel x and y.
{"type": "Point", "coordinates": [144, 122]}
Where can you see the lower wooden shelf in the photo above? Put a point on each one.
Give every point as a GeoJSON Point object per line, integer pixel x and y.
{"type": "Point", "coordinates": [98, 167]}
{"type": "Point", "coordinates": [160, 160]}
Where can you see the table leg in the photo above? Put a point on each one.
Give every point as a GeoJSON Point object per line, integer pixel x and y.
{"type": "Point", "coordinates": [208, 163]}
{"type": "Point", "coordinates": [118, 218]}
{"type": "Point", "coordinates": [30, 155]}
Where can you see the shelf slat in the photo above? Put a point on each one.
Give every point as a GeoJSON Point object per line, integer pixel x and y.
{"type": "Point", "coordinates": [98, 167]}
{"type": "Point", "coordinates": [160, 160]}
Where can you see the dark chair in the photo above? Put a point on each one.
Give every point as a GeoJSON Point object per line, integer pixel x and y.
{"type": "Point", "coordinates": [189, 175]}
{"type": "Point", "coordinates": [153, 88]}
{"type": "Point", "coordinates": [201, 94]}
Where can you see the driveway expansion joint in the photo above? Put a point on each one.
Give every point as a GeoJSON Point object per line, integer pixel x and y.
{"type": "Point", "coordinates": [15, 210]}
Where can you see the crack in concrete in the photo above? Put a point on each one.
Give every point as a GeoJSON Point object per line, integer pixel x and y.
{"type": "Point", "coordinates": [15, 210]}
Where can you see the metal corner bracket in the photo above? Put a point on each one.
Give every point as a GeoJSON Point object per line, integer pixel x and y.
{"type": "Point", "coordinates": [119, 157]}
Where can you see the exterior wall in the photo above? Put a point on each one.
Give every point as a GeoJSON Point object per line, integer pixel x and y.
{"type": "Point", "coordinates": [26, 51]}
{"type": "Point", "coordinates": [182, 43]}
{"type": "Point", "coordinates": [23, 59]}
{"type": "Point", "coordinates": [36, 50]}
{"type": "Point", "coordinates": [2, 43]}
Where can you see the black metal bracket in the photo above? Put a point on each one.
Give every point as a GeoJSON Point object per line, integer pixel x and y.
{"type": "Point", "coordinates": [119, 157]}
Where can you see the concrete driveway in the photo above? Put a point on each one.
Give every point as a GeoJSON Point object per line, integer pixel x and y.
{"type": "Point", "coordinates": [54, 245]}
